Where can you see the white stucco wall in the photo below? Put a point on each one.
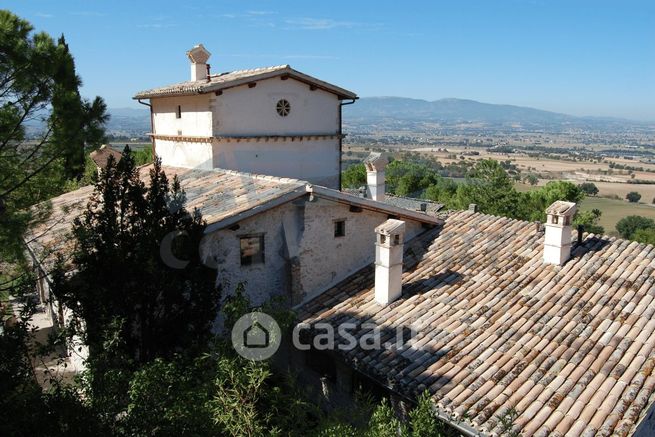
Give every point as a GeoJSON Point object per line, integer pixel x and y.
{"type": "Point", "coordinates": [316, 161]}
{"type": "Point", "coordinates": [244, 111]}
{"type": "Point", "coordinates": [302, 256]}
{"type": "Point", "coordinates": [251, 111]}
{"type": "Point", "coordinates": [185, 154]}
{"type": "Point", "coordinates": [196, 117]}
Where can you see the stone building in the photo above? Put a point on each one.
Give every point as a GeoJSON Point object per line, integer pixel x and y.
{"type": "Point", "coordinates": [272, 120]}
{"type": "Point", "coordinates": [497, 317]}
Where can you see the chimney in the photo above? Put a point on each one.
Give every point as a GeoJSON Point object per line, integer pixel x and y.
{"type": "Point", "coordinates": [557, 242]}
{"type": "Point", "coordinates": [389, 261]}
{"type": "Point", "coordinates": [199, 56]}
{"type": "Point", "coordinates": [375, 164]}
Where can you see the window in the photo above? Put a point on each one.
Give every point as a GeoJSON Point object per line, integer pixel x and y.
{"type": "Point", "coordinates": [252, 250]}
{"type": "Point", "coordinates": [178, 114]}
{"type": "Point", "coordinates": [283, 108]}
{"type": "Point", "coordinates": [340, 228]}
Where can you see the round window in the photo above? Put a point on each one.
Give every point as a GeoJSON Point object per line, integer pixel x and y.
{"type": "Point", "coordinates": [283, 108]}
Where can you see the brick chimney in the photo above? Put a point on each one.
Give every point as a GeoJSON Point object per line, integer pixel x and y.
{"type": "Point", "coordinates": [375, 165]}
{"type": "Point", "coordinates": [557, 241]}
{"type": "Point", "coordinates": [389, 261]}
{"type": "Point", "coordinates": [199, 56]}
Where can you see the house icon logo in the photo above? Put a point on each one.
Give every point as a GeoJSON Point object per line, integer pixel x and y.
{"type": "Point", "coordinates": [256, 336]}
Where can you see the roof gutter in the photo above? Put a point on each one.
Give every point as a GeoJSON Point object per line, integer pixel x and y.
{"type": "Point", "coordinates": [152, 126]}
{"type": "Point", "coordinates": [462, 427]}
{"type": "Point", "coordinates": [341, 105]}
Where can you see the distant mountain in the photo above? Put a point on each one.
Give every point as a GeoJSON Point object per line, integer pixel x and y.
{"type": "Point", "coordinates": [374, 114]}
{"type": "Point", "coordinates": [450, 111]}
{"type": "Point", "coordinates": [128, 121]}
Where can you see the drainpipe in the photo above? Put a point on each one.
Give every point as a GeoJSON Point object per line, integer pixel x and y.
{"type": "Point", "coordinates": [341, 105]}
{"type": "Point", "coordinates": [152, 127]}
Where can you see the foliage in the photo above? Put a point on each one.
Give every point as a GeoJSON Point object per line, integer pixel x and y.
{"type": "Point", "coordinates": [354, 176]}
{"type": "Point", "coordinates": [633, 197]}
{"type": "Point", "coordinates": [170, 398]}
{"type": "Point", "coordinates": [141, 293]}
{"type": "Point", "coordinates": [25, 409]}
{"type": "Point", "coordinates": [490, 188]}
{"type": "Point", "coordinates": [407, 178]}
{"type": "Point", "coordinates": [589, 188]}
{"type": "Point", "coordinates": [628, 226]}
{"type": "Point", "coordinates": [589, 220]}
{"type": "Point", "coordinates": [532, 179]}
{"type": "Point", "coordinates": [646, 236]}
{"type": "Point", "coordinates": [534, 203]}
{"type": "Point", "coordinates": [38, 84]}
{"type": "Point", "coordinates": [144, 156]}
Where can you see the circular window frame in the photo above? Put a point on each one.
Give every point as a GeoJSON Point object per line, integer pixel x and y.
{"type": "Point", "coordinates": [283, 108]}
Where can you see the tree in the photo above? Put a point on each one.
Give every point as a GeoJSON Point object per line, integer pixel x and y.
{"type": "Point", "coordinates": [633, 197]}
{"type": "Point", "coordinates": [354, 176]}
{"type": "Point", "coordinates": [534, 203]}
{"type": "Point", "coordinates": [589, 188]}
{"type": "Point", "coordinates": [646, 236]}
{"type": "Point", "coordinates": [532, 179]}
{"type": "Point", "coordinates": [38, 87]}
{"type": "Point", "coordinates": [627, 226]}
{"type": "Point", "coordinates": [489, 186]}
{"type": "Point", "coordinates": [136, 293]}
{"type": "Point", "coordinates": [589, 221]}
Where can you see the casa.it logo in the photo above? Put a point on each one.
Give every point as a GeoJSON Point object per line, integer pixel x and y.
{"type": "Point", "coordinates": [256, 336]}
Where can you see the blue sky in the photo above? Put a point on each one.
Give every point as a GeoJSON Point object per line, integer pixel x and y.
{"type": "Point", "coordinates": [577, 57]}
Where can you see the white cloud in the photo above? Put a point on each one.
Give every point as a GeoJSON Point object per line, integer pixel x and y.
{"type": "Point", "coordinates": [44, 15]}
{"type": "Point", "coordinates": [260, 13]}
{"type": "Point", "coordinates": [307, 23]}
{"type": "Point", "coordinates": [88, 13]}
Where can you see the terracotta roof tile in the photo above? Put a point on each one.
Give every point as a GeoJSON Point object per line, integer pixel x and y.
{"type": "Point", "coordinates": [239, 77]}
{"type": "Point", "coordinates": [570, 348]}
{"type": "Point", "coordinates": [218, 194]}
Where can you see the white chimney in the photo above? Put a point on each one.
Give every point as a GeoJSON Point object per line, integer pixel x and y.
{"type": "Point", "coordinates": [375, 165]}
{"type": "Point", "coordinates": [389, 261]}
{"type": "Point", "coordinates": [557, 242]}
{"type": "Point", "coordinates": [198, 56]}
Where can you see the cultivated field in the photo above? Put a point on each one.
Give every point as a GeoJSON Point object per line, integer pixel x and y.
{"type": "Point", "coordinates": [615, 210]}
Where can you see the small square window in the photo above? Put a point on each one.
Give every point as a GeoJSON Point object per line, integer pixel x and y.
{"type": "Point", "coordinates": [178, 114]}
{"type": "Point", "coordinates": [252, 250]}
{"type": "Point", "coordinates": [339, 228]}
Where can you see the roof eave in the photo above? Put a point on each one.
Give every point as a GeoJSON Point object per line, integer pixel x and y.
{"type": "Point", "coordinates": [341, 93]}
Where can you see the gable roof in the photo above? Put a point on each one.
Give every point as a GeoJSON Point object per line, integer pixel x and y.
{"type": "Point", "coordinates": [570, 348]}
{"type": "Point", "coordinates": [101, 156]}
{"type": "Point", "coordinates": [223, 197]}
{"type": "Point", "coordinates": [232, 79]}
{"type": "Point", "coordinates": [218, 194]}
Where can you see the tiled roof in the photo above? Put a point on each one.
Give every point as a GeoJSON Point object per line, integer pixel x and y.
{"type": "Point", "coordinates": [411, 203]}
{"type": "Point", "coordinates": [218, 194]}
{"type": "Point", "coordinates": [101, 156]}
{"type": "Point", "coordinates": [570, 348]}
{"type": "Point", "coordinates": [240, 77]}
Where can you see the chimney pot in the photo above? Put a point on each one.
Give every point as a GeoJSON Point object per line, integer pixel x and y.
{"type": "Point", "coordinates": [473, 207]}
{"type": "Point", "coordinates": [375, 165]}
{"type": "Point", "coordinates": [389, 261]}
{"type": "Point", "coordinates": [199, 56]}
{"type": "Point", "coordinates": [557, 239]}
